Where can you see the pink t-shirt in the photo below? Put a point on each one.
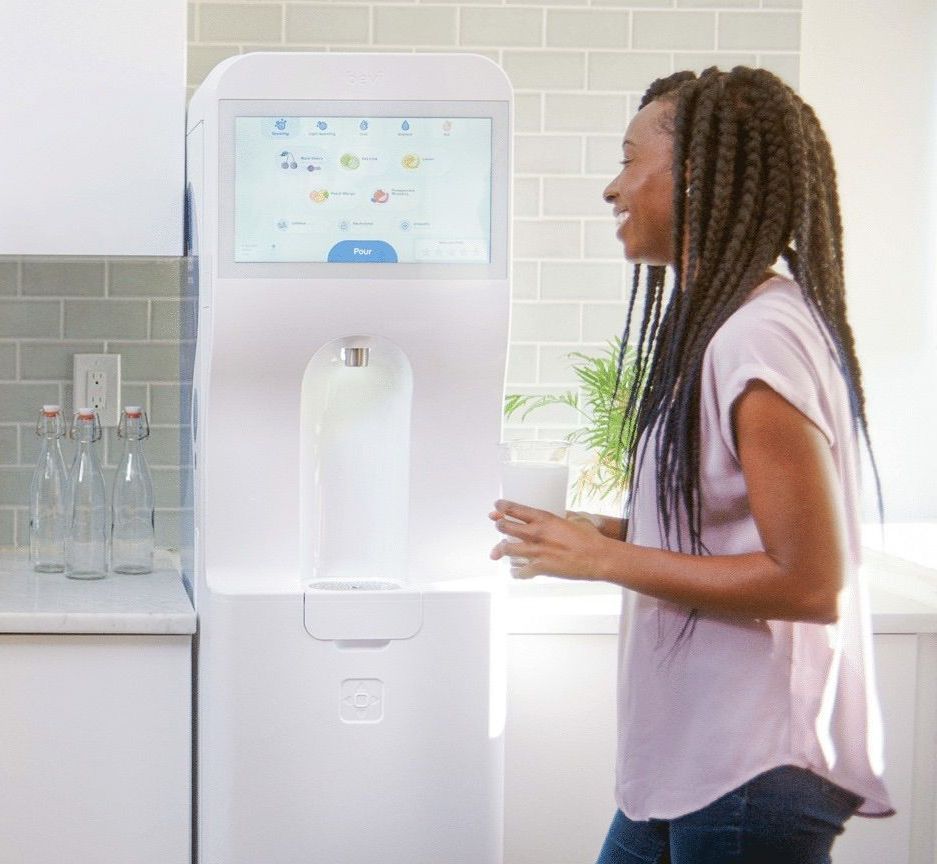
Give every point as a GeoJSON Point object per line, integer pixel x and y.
{"type": "Point", "coordinates": [739, 696]}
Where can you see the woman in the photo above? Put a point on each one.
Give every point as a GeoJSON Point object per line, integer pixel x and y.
{"type": "Point", "coordinates": [748, 721]}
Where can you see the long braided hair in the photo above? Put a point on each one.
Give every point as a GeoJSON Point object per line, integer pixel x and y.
{"type": "Point", "coordinates": [753, 181]}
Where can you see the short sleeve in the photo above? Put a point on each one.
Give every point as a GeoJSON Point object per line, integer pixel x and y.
{"type": "Point", "coordinates": [764, 343]}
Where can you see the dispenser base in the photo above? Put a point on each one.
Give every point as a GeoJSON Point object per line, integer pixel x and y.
{"type": "Point", "coordinates": [346, 750]}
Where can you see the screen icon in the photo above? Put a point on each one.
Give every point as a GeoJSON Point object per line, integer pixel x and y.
{"type": "Point", "coordinates": [362, 252]}
{"type": "Point", "coordinates": [278, 127]}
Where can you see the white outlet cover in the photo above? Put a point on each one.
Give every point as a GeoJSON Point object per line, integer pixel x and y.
{"type": "Point", "coordinates": [87, 367]}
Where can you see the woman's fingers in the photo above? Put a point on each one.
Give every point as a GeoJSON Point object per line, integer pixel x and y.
{"type": "Point", "coordinates": [517, 529]}
{"type": "Point", "coordinates": [526, 572]}
{"type": "Point", "coordinates": [511, 548]}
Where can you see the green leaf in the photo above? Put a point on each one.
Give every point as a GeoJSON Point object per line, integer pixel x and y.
{"type": "Point", "coordinates": [602, 410]}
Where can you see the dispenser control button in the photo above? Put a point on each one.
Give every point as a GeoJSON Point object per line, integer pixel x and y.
{"type": "Point", "coordinates": [362, 252]}
{"type": "Point", "coordinates": [362, 700]}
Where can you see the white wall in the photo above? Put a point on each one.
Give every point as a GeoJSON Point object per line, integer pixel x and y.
{"type": "Point", "coordinates": [579, 68]}
{"type": "Point", "coordinates": [868, 67]}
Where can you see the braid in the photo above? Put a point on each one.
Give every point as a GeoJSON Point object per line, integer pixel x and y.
{"type": "Point", "coordinates": [753, 181]}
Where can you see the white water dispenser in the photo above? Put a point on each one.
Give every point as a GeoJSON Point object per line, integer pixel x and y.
{"type": "Point", "coordinates": [349, 249]}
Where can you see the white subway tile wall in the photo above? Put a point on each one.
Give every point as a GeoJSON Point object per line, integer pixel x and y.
{"type": "Point", "coordinates": [578, 68]}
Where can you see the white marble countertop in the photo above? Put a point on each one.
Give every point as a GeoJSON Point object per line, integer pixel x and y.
{"type": "Point", "coordinates": [903, 596]}
{"type": "Point", "coordinates": [151, 603]}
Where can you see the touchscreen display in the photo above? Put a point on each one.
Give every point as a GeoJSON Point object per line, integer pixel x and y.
{"type": "Point", "coordinates": [363, 190]}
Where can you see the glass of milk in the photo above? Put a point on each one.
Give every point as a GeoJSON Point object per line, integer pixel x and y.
{"type": "Point", "coordinates": [535, 473]}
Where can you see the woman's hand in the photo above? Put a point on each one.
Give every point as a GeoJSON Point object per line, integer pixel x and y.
{"type": "Point", "coordinates": [571, 548]}
{"type": "Point", "coordinates": [609, 526]}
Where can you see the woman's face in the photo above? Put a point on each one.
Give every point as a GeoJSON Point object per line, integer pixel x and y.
{"type": "Point", "coordinates": [641, 195]}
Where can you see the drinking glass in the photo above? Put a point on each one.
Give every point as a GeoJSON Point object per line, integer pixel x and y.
{"type": "Point", "coordinates": [534, 473]}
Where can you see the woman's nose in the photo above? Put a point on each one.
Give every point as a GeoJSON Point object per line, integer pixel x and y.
{"type": "Point", "coordinates": [609, 194]}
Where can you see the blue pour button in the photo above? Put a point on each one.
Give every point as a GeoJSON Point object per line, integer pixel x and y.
{"type": "Point", "coordinates": [362, 252]}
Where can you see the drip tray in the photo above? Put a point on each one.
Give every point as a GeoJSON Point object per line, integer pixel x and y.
{"type": "Point", "coordinates": [361, 609]}
{"type": "Point", "coordinates": [353, 585]}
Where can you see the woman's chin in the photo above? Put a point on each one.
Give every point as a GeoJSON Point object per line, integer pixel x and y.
{"type": "Point", "coordinates": [636, 255]}
{"type": "Point", "coordinates": [633, 252]}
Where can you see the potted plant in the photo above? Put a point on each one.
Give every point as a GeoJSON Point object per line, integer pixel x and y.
{"type": "Point", "coordinates": [605, 433]}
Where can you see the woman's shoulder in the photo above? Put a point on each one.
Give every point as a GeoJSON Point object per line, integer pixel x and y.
{"type": "Point", "coordinates": [778, 306]}
{"type": "Point", "coordinates": [775, 326]}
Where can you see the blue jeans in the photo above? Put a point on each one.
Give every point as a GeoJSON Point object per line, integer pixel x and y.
{"type": "Point", "coordinates": [787, 815]}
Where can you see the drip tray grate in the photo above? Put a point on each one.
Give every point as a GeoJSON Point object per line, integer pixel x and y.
{"type": "Point", "coordinates": [353, 585]}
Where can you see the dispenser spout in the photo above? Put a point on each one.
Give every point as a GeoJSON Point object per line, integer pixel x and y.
{"type": "Point", "coordinates": [355, 356]}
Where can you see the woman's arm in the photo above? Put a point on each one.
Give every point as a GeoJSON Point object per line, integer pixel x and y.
{"type": "Point", "coordinates": [793, 495]}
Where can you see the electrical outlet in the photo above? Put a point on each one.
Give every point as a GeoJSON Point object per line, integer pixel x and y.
{"type": "Point", "coordinates": [96, 384]}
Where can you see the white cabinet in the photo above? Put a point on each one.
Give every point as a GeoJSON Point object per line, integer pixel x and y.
{"type": "Point", "coordinates": [905, 670]}
{"type": "Point", "coordinates": [91, 156]}
{"type": "Point", "coordinates": [559, 741]}
{"type": "Point", "coordinates": [95, 749]}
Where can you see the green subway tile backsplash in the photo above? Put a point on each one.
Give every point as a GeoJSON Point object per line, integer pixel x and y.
{"type": "Point", "coordinates": [166, 486]}
{"type": "Point", "coordinates": [144, 277]}
{"type": "Point", "coordinates": [46, 361]}
{"type": "Point", "coordinates": [9, 445]}
{"type": "Point", "coordinates": [146, 362]}
{"type": "Point", "coordinates": [7, 527]}
{"type": "Point", "coordinates": [161, 448]}
{"type": "Point", "coordinates": [31, 445]}
{"type": "Point", "coordinates": [7, 360]}
{"type": "Point", "coordinates": [100, 306]}
{"type": "Point", "coordinates": [8, 276]}
{"type": "Point", "coordinates": [135, 394]}
{"type": "Point", "coordinates": [225, 22]}
{"type": "Point", "coordinates": [105, 319]}
{"type": "Point", "coordinates": [164, 404]}
{"type": "Point", "coordinates": [165, 323]}
{"type": "Point", "coordinates": [63, 278]}
{"type": "Point", "coordinates": [169, 526]}
{"type": "Point", "coordinates": [14, 486]}
{"type": "Point", "coordinates": [20, 402]}
{"type": "Point", "coordinates": [22, 319]}
{"type": "Point", "coordinates": [22, 527]}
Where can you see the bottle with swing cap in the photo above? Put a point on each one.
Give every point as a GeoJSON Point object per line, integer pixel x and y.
{"type": "Point", "coordinates": [86, 541]}
{"type": "Point", "coordinates": [48, 496]}
{"type": "Point", "coordinates": [132, 501]}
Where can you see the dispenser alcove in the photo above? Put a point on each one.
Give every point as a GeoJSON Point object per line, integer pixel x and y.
{"type": "Point", "coordinates": [355, 415]}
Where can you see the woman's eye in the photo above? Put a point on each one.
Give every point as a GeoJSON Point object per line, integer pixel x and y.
{"type": "Point", "coordinates": [625, 163]}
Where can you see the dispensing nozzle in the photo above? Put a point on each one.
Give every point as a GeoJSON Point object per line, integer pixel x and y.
{"type": "Point", "coordinates": [355, 356]}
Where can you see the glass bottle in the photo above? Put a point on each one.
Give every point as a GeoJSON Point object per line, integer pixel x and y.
{"type": "Point", "coordinates": [48, 496]}
{"type": "Point", "coordinates": [132, 501]}
{"type": "Point", "coordinates": [86, 544]}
